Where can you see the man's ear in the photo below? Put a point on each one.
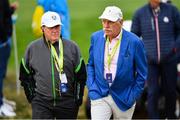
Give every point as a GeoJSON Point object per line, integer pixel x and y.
{"type": "Point", "coordinates": [121, 22]}
{"type": "Point", "coordinates": [42, 28]}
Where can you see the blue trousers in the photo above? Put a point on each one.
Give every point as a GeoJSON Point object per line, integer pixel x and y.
{"type": "Point", "coordinates": [5, 49]}
{"type": "Point", "coordinates": [162, 76]}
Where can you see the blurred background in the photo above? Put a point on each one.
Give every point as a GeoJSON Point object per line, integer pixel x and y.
{"type": "Point", "coordinates": [84, 21]}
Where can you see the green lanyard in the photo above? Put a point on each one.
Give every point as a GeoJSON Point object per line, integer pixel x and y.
{"type": "Point", "coordinates": [58, 63]}
{"type": "Point", "coordinates": [58, 60]}
{"type": "Point", "coordinates": [111, 55]}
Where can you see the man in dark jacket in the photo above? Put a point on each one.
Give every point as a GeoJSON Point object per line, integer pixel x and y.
{"type": "Point", "coordinates": [159, 26]}
{"type": "Point", "coordinates": [53, 73]}
{"type": "Point", "coordinates": [5, 47]}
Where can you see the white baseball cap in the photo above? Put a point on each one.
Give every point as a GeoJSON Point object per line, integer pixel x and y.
{"type": "Point", "coordinates": [50, 19]}
{"type": "Point", "coordinates": [112, 13]}
{"type": "Point", "coordinates": [165, 1]}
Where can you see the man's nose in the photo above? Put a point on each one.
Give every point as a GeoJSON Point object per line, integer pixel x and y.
{"type": "Point", "coordinates": [106, 24]}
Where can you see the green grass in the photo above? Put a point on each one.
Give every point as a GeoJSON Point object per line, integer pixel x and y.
{"type": "Point", "coordinates": [84, 21]}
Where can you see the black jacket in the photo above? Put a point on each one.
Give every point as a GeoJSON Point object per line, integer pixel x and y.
{"type": "Point", "coordinates": [5, 20]}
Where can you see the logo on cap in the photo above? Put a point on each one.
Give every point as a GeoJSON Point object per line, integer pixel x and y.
{"type": "Point", "coordinates": [54, 17]}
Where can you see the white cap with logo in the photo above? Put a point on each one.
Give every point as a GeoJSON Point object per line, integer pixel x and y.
{"type": "Point", "coordinates": [50, 19]}
{"type": "Point", "coordinates": [112, 13]}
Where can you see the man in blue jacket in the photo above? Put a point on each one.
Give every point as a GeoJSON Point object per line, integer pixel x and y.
{"type": "Point", "coordinates": [117, 68]}
{"type": "Point", "coordinates": [61, 7]}
{"type": "Point", "coordinates": [159, 26]}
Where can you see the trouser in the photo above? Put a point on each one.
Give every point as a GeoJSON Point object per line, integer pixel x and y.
{"type": "Point", "coordinates": [167, 74]}
{"type": "Point", "coordinates": [103, 108]}
{"type": "Point", "coordinates": [45, 109]}
{"type": "Point", "coordinates": [5, 49]}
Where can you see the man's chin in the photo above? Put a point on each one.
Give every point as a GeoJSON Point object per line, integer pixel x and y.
{"type": "Point", "coordinates": [54, 40]}
{"type": "Point", "coordinates": [108, 34]}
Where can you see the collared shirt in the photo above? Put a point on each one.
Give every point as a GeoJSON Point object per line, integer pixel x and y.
{"type": "Point", "coordinates": [156, 10]}
{"type": "Point", "coordinates": [113, 65]}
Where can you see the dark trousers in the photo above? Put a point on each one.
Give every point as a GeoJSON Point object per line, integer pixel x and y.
{"type": "Point", "coordinates": [45, 109]}
{"type": "Point", "coordinates": [162, 75]}
{"type": "Point", "coordinates": [5, 49]}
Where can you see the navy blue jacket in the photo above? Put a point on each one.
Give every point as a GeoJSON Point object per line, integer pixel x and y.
{"type": "Point", "coordinates": [143, 25]}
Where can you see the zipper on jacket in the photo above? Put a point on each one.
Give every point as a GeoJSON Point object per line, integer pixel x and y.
{"type": "Point", "coordinates": [53, 80]}
{"type": "Point", "coordinates": [158, 37]}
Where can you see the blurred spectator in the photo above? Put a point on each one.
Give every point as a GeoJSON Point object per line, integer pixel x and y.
{"type": "Point", "coordinates": [159, 26]}
{"type": "Point", "coordinates": [6, 11]}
